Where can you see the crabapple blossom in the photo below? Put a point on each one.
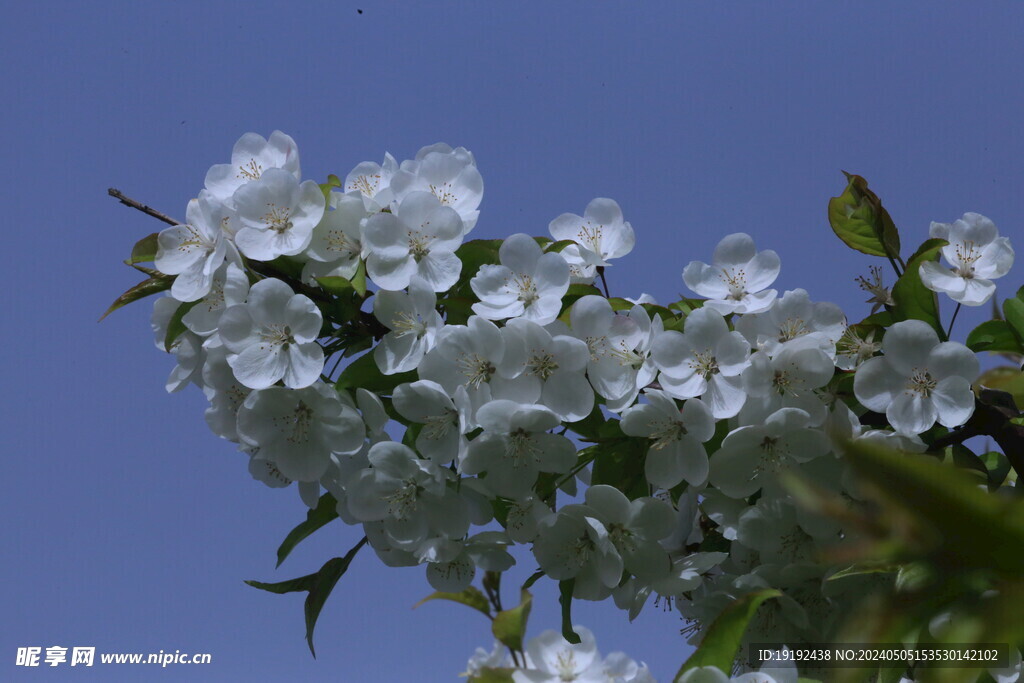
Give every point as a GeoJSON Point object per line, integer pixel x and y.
{"type": "Point", "coordinates": [445, 421]}
{"type": "Point", "coordinates": [414, 323]}
{"type": "Point", "coordinates": [735, 281]}
{"type": "Point", "coordinates": [529, 283]}
{"type": "Point", "coordinates": [251, 157]}
{"type": "Point", "coordinates": [977, 255]}
{"type": "Point", "coordinates": [419, 238]}
{"type": "Point", "coordinates": [573, 544]}
{"type": "Point", "coordinates": [551, 368]}
{"type": "Point", "coordinates": [224, 392]}
{"type": "Point", "coordinates": [677, 436]}
{"type": "Point", "coordinates": [515, 447]}
{"type": "Point", "coordinates": [634, 528]}
{"type": "Point", "coordinates": [600, 233]}
{"type": "Point", "coordinates": [918, 379]}
{"type": "Point", "coordinates": [752, 454]}
{"type": "Point", "coordinates": [787, 380]}
{"type": "Point", "coordinates": [277, 215]}
{"type": "Point", "coordinates": [273, 336]}
{"type": "Point", "coordinates": [371, 182]}
{"type": "Point", "coordinates": [196, 249]}
{"type": "Point", "coordinates": [337, 238]}
{"type": "Point", "coordinates": [230, 286]}
{"type": "Point", "coordinates": [448, 174]}
{"type": "Point", "coordinates": [299, 429]}
{"type": "Point", "coordinates": [705, 360]}
{"type": "Point", "coordinates": [793, 316]}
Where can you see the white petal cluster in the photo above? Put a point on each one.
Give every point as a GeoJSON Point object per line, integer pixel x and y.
{"type": "Point", "coordinates": [628, 447]}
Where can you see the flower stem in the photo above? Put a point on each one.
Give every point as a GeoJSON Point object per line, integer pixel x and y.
{"type": "Point", "coordinates": [600, 271]}
{"type": "Point", "coordinates": [128, 201]}
{"type": "Point", "coordinates": [950, 330]}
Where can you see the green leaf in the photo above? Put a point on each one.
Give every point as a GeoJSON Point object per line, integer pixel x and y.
{"type": "Point", "coordinates": [177, 325]}
{"type": "Point", "coordinates": [509, 626]}
{"type": "Point", "coordinates": [559, 245]}
{"type": "Point", "coordinates": [994, 336]}
{"type": "Point", "coordinates": [471, 597]}
{"type": "Point", "coordinates": [153, 285]}
{"type": "Point", "coordinates": [723, 637]}
{"type": "Point", "coordinates": [1005, 378]}
{"type": "Point", "coordinates": [319, 586]}
{"type": "Point", "coordinates": [335, 284]}
{"type": "Point", "coordinates": [1013, 311]}
{"type": "Point", "coordinates": [363, 373]}
{"type": "Point", "coordinates": [866, 567]}
{"type": "Point", "coordinates": [326, 510]}
{"type": "Point", "coordinates": [359, 279]}
{"type": "Point", "coordinates": [619, 462]}
{"type": "Point", "coordinates": [861, 222]}
{"type": "Point", "coordinates": [332, 181]}
{"type": "Point", "coordinates": [565, 589]}
{"type": "Point", "coordinates": [913, 299]}
{"type": "Point", "coordinates": [998, 466]}
{"type": "Point", "coordinates": [476, 253]}
{"type": "Point", "coordinates": [144, 250]}
{"type": "Point", "coordinates": [966, 524]}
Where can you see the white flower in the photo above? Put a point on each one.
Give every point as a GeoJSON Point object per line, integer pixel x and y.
{"type": "Point", "coordinates": [737, 276]}
{"type": "Point", "coordinates": [550, 369]}
{"type": "Point", "coordinates": [751, 455]}
{"type": "Point", "coordinates": [187, 347]}
{"type": "Point", "coordinates": [529, 283]}
{"type": "Point", "coordinates": [793, 317]}
{"type": "Point", "coordinates": [487, 550]}
{"type": "Point", "coordinates": [445, 422]}
{"type": "Point", "coordinates": [556, 660]}
{"type": "Point", "coordinates": [634, 528]}
{"type": "Point", "coordinates": [611, 340]}
{"type": "Point", "coordinates": [515, 447]}
{"type": "Point", "coordinates": [224, 392]}
{"type": "Point", "coordinates": [195, 250]}
{"type": "Point", "coordinates": [676, 452]}
{"type": "Point", "coordinates": [918, 380]}
{"type": "Point", "coordinates": [299, 429]}
{"type": "Point", "coordinates": [787, 380]}
{"type": "Point", "coordinates": [978, 255]}
{"type": "Point", "coordinates": [414, 323]}
{"type": "Point", "coordinates": [273, 337]}
{"type": "Point", "coordinates": [706, 360]}
{"type": "Point", "coordinates": [600, 234]}
{"type": "Point", "coordinates": [371, 182]}
{"type": "Point", "coordinates": [277, 215]}
{"type": "Point", "coordinates": [337, 238]}
{"type": "Point", "coordinates": [419, 238]}
{"type": "Point", "coordinates": [230, 287]}
{"type": "Point", "coordinates": [250, 158]}
{"type": "Point", "coordinates": [685, 574]}
{"type": "Point", "coordinates": [448, 174]}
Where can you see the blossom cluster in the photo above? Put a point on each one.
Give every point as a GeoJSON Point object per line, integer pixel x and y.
{"type": "Point", "coordinates": [634, 448]}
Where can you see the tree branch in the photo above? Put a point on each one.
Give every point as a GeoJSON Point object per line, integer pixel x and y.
{"type": "Point", "coordinates": [128, 201]}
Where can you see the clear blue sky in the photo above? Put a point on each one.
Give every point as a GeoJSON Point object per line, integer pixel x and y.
{"type": "Point", "coordinates": [130, 527]}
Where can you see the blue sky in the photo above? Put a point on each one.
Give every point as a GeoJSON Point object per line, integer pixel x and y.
{"type": "Point", "coordinates": [130, 527]}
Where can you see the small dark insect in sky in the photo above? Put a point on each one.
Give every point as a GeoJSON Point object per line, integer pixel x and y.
{"type": "Point", "coordinates": [360, 11]}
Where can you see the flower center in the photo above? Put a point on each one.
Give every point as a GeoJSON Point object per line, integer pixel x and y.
{"type": "Point", "coordinates": [666, 432]}
{"type": "Point", "coordinates": [590, 236]}
{"type": "Point", "coordinates": [541, 364]}
{"type": "Point", "coordinates": [792, 328]}
{"type": "Point", "coordinates": [736, 281]}
{"type": "Point", "coordinates": [277, 335]}
{"type": "Point", "coordinates": [521, 449]}
{"type": "Point", "coordinates": [627, 357]}
{"type": "Point", "coordinates": [250, 171]}
{"type": "Point", "coordinates": [338, 241]}
{"type": "Point", "coordinates": [278, 219]}
{"type": "Point", "coordinates": [366, 184]}
{"type": "Point", "coordinates": [444, 193]}
{"type": "Point", "coordinates": [437, 426]}
{"type": "Point", "coordinates": [403, 500]}
{"type": "Point", "coordinates": [408, 323]}
{"type": "Point", "coordinates": [922, 383]}
{"type": "Point", "coordinates": [704, 364]}
{"type": "Point", "coordinates": [195, 239]}
{"type": "Point", "coordinates": [966, 254]}
{"type": "Point", "coordinates": [527, 288]}
{"type": "Point", "coordinates": [419, 244]}
{"type": "Point", "coordinates": [476, 368]}
{"type": "Point", "coordinates": [297, 425]}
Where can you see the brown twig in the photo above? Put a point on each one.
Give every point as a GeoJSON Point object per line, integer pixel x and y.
{"type": "Point", "coordinates": [128, 201]}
